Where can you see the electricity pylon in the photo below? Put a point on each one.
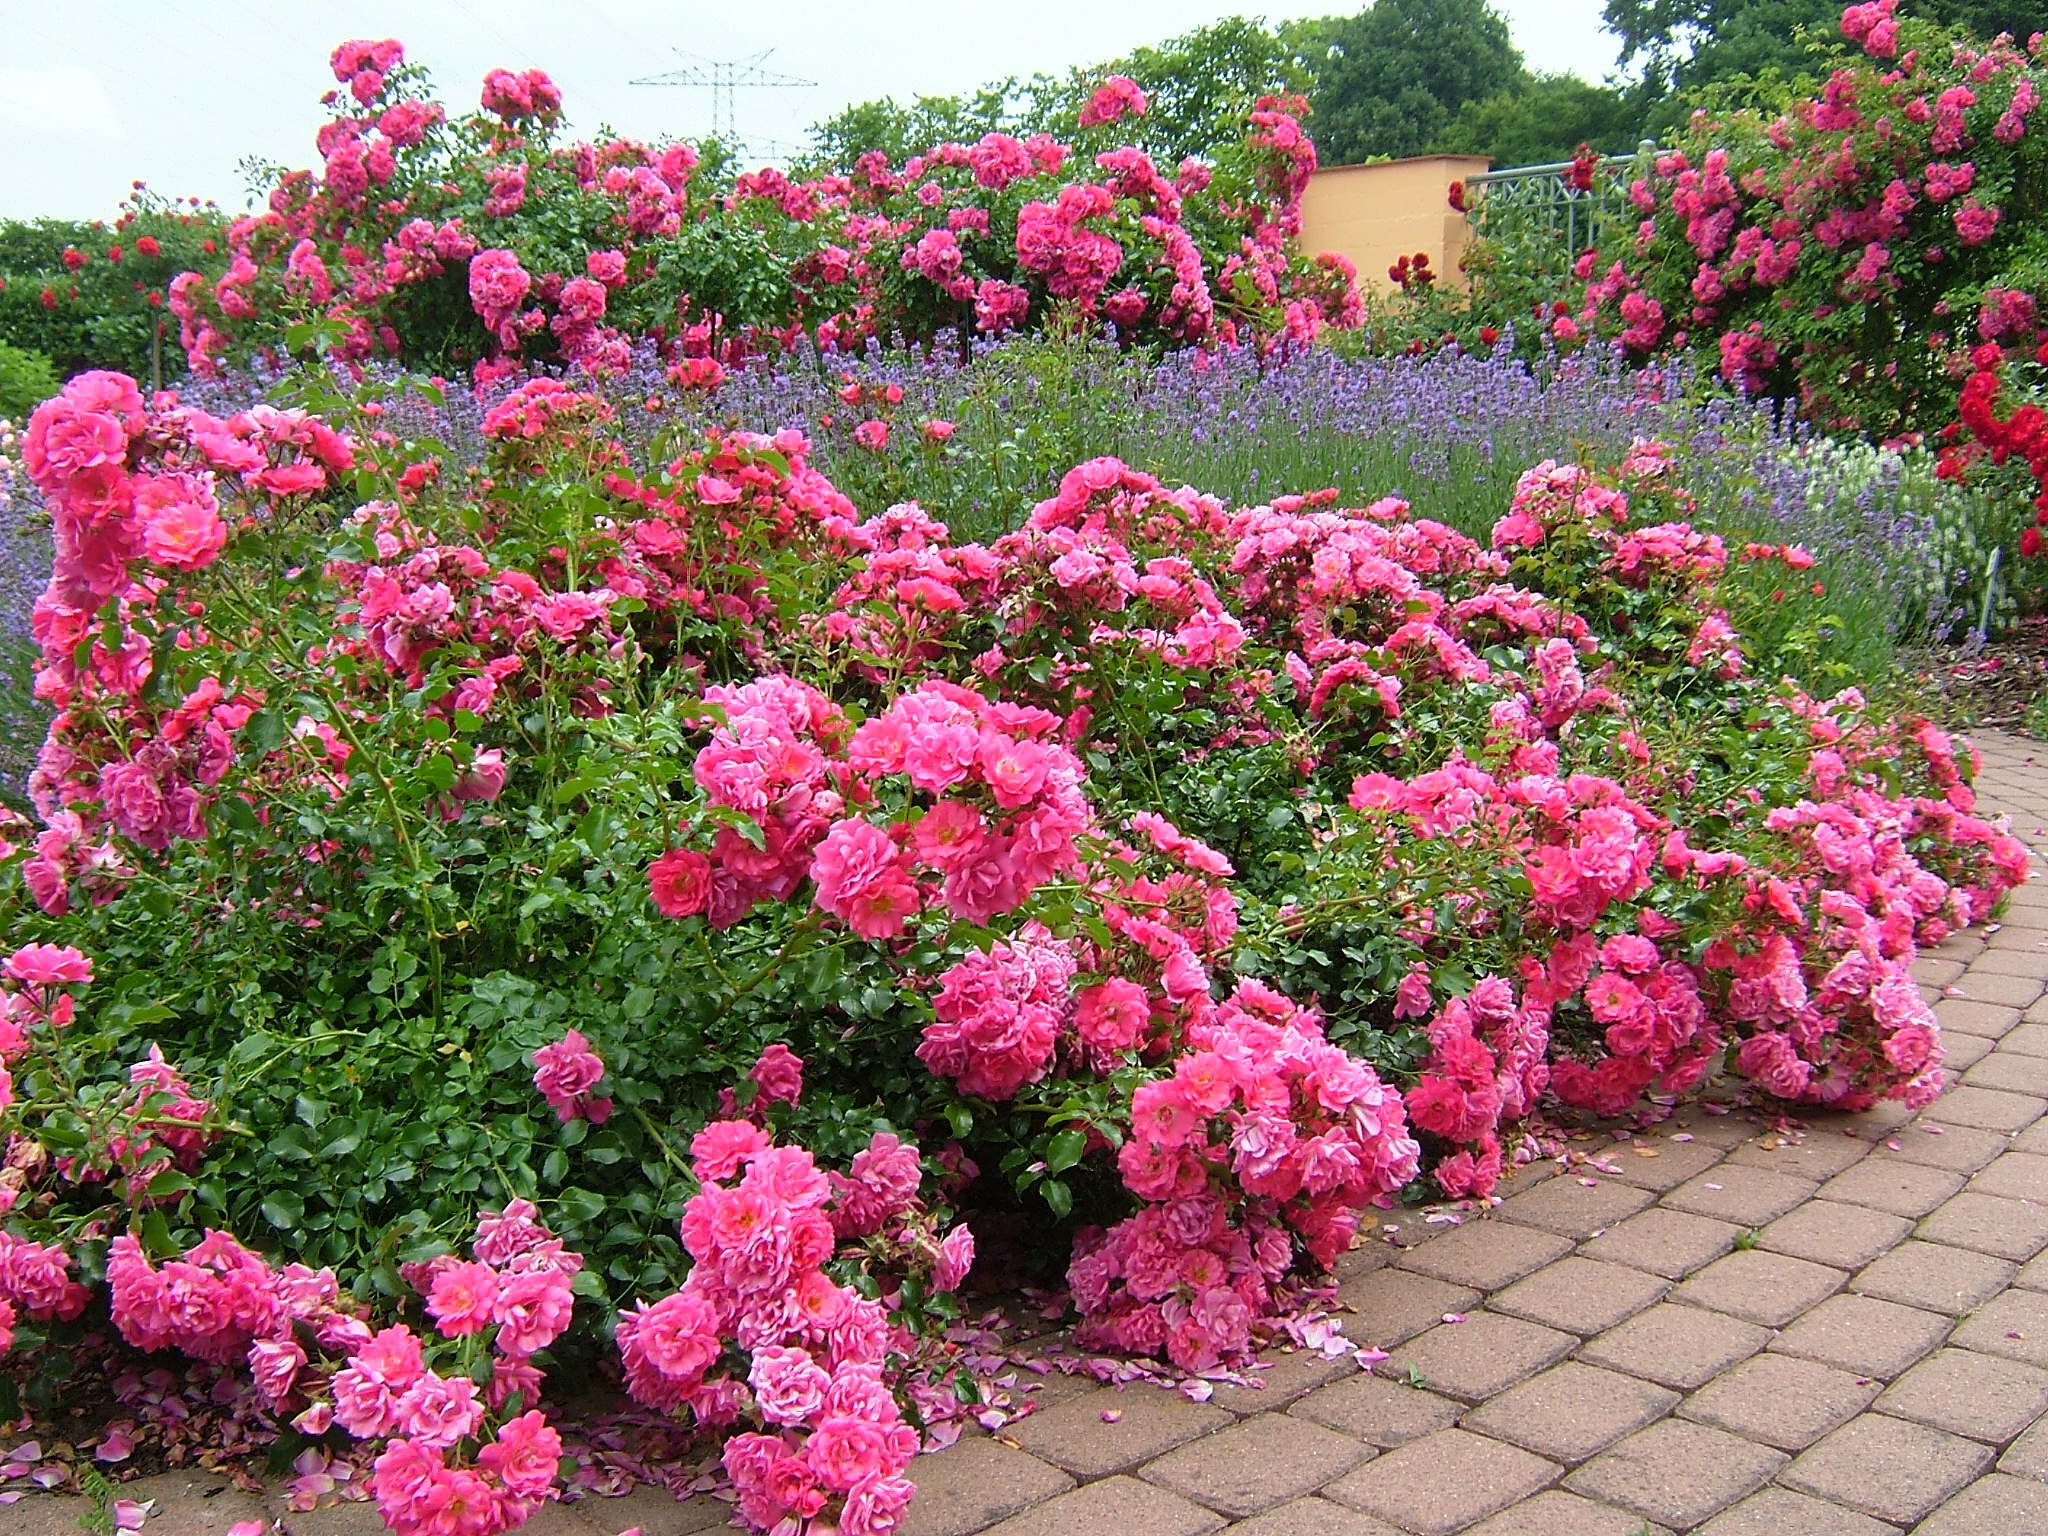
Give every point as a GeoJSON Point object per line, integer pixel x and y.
{"type": "Point", "coordinates": [725, 78]}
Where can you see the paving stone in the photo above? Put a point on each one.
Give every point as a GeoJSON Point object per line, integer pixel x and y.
{"type": "Point", "coordinates": [1939, 1279]}
{"type": "Point", "coordinates": [1863, 1335]}
{"type": "Point", "coordinates": [1404, 1227]}
{"type": "Point", "coordinates": [1887, 1467]}
{"type": "Point", "coordinates": [1393, 1305]}
{"type": "Point", "coordinates": [2028, 1456]}
{"type": "Point", "coordinates": [1760, 1287]}
{"type": "Point", "coordinates": [1890, 1184]}
{"type": "Point", "coordinates": [1724, 1130]}
{"type": "Point", "coordinates": [1835, 1233]}
{"type": "Point", "coordinates": [1675, 1346]}
{"type": "Point", "coordinates": [1254, 1465]}
{"type": "Point", "coordinates": [1968, 1018]}
{"type": "Point", "coordinates": [1987, 1109]}
{"type": "Point", "coordinates": [1937, 973]}
{"type": "Point", "coordinates": [2018, 958]}
{"type": "Point", "coordinates": [1558, 1513]}
{"type": "Point", "coordinates": [1362, 1258]}
{"type": "Point", "coordinates": [1665, 1242]}
{"type": "Point", "coordinates": [1514, 1180]}
{"type": "Point", "coordinates": [1985, 1397]}
{"type": "Point", "coordinates": [1571, 1411]}
{"type": "Point", "coordinates": [1991, 1504]}
{"type": "Point", "coordinates": [1749, 1197]}
{"type": "Point", "coordinates": [1657, 1162]}
{"type": "Point", "coordinates": [1980, 984]}
{"type": "Point", "coordinates": [1581, 1296]}
{"type": "Point", "coordinates": [1486, 1254]}
{"type": "Point", "coordinates": [2015, 1176]}
{"type": "Point", "coordinates": [2033, 1139]}
{"type": "Point", "coordinates": [1781, 1401]}
{"type": "Point", "coordinates": [1287, 1375]}
{"type": "Point", "coordinates": [1309, 1517]}
{"type": "Point", "coordinates": [1378, 1410]}
{"type": "Point", "coordinates": [2014, 1325]}
{"type": "Point", "coordinates": [973, 1483]}
{"type": "Point", "coordinates": [1781, 1512]}
{"type": "Point", "coordinates": [1818, 1155]}
{"type": "Point", "coordinates": [187, 1504]}
{"type": "Point", "coordinates": [1114, 1504]}
{"type": "Point", "coordinates": [2027, 1040]}
{"type": "Point", "coordinates": [1677, 1472]}
{"type": "Point", "coordinates": [1444, 1483]}
{"type": "Point", "coordinates": [1074, 1435]}
{"type": "Point", "coordinates": [362, 1519]}
{"type": "Point", "coordinates": [1044, 1388]}
{"type": "Point", "coordinates": [1485, 1354]}
{"type": "Point", "coordinates": [1958, 1148]}
{"type": "Point", "coordinates": [656, 1511]}
{"type": "Point", "coordinates": [2008, 1072]}
{"type": "Point", "coordinates": [1575, 1208]}
{"type": "Point", "coordinates": [2011, 1229]}
{"type": "Point", "coordinates": [1961, 1052]}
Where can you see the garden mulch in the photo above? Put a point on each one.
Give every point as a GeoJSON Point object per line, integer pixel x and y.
{"type": "Point", "coordinates": [1719, 1325]}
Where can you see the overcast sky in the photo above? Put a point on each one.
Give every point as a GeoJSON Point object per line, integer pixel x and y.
{"type": "Point", "coordinates": [95, 94]}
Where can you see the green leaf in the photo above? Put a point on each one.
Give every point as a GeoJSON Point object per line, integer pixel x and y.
{"type": "Point", "coordinates": [168, 1184]}
{"type": "Point", "coordinates": [1059, 1197]}
{"type": "Point", "coordinates": [283, 1210]}
{"type": "Point", "coordinates": [1065, 1149]}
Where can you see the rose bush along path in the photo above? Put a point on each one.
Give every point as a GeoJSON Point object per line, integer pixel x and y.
{"type": "Point", "coordinates": [589, 841]}
{"type": "Point", "coordinates": [1852, 1406]}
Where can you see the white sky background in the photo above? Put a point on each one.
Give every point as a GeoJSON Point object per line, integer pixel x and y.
{"type": "Point", "coordinates": [95, 94]}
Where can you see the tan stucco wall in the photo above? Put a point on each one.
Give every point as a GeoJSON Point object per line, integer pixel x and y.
{"type": "Point", "coordinates": [1376, 213]}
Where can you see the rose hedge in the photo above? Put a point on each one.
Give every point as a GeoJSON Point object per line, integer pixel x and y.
{"type": "Point", "coordinates": [484, 240]}
{"type": "Point", "coordinates": [594, 838]}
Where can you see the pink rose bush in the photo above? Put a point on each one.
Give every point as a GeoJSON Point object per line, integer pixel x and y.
{"type": "Point", "coordinates": [641, 899]}
{"type": "Point", "coordinates": [419, 231]}
{"type": "Point", "coordinates": [1783, 245]}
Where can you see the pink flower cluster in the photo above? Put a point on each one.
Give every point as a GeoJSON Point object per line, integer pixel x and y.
{"type": "Point", "coordinates": [1005, 807]}
{"type": "Point", "coordinates": [567, 1074]}
{"type": "Point", "coordinates": [763, 1343]}
{"type": "Point", "coordinates": [1113, 100]}
{"type": "Point", "coordinates": [1264, 1133]}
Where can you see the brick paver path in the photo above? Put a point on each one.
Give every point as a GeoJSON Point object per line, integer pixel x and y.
{"type": "Point", "coordinates": [1714, 1328]}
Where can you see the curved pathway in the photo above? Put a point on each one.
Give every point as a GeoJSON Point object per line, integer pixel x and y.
{"type": "Point", "coordinates": [1718, 1327]}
